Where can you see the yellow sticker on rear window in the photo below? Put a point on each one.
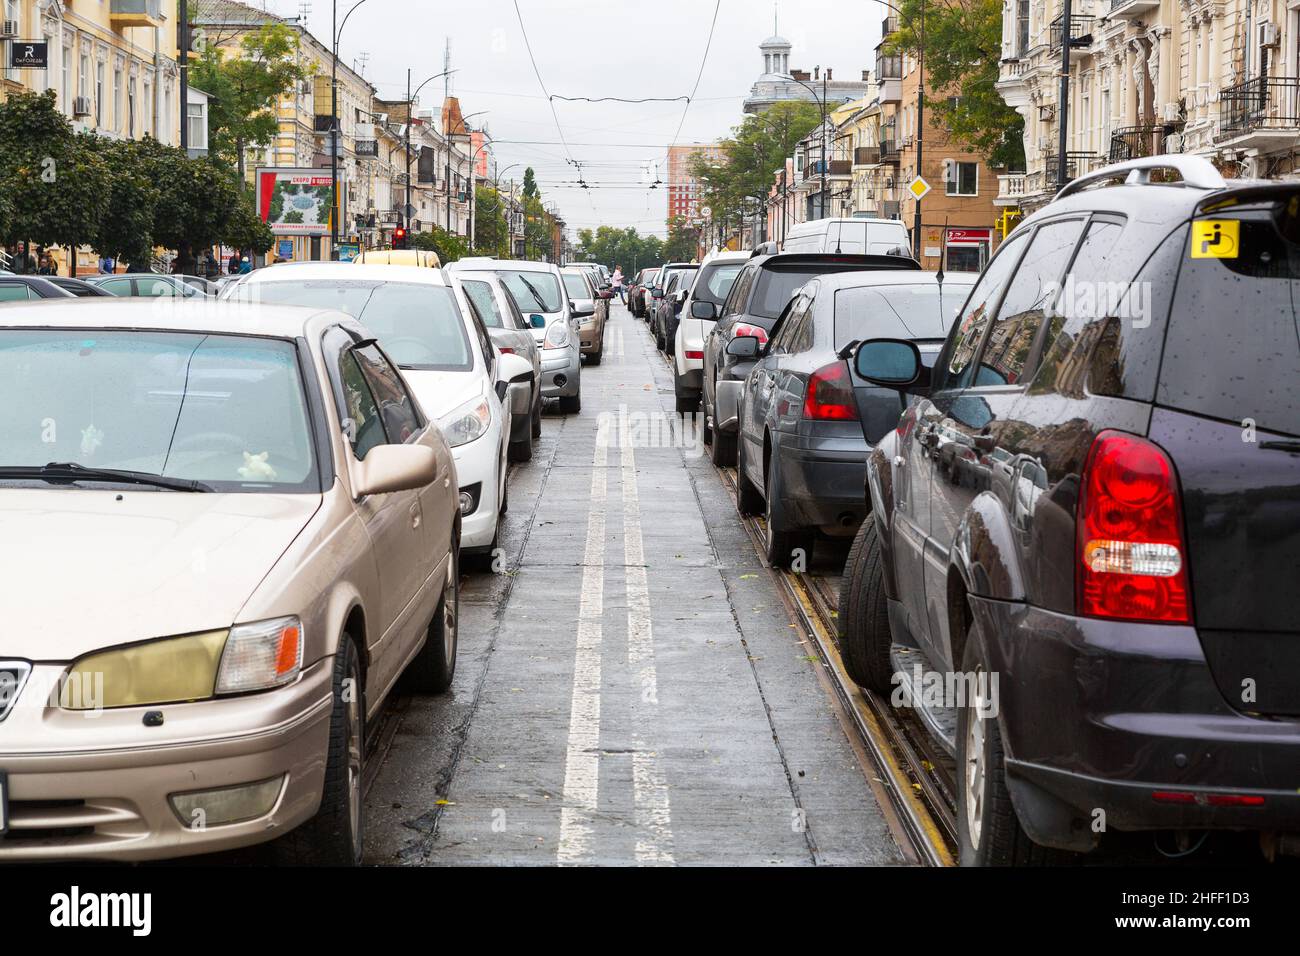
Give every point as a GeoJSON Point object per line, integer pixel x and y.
{"type": "Point", "coordinates": [1216, 239]}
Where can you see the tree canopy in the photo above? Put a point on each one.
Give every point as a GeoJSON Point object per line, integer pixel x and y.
{"type": "Point", "coordinates": [963, 49]}
{"type": "Point", "coordinates": [613, 246]}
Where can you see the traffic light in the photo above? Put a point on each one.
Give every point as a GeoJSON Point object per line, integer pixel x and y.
{"type": "Point", "coordinates": [399, 238]}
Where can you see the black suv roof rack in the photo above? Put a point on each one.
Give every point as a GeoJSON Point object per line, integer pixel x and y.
{"type": "Point", "coordinates": [1196, 172]}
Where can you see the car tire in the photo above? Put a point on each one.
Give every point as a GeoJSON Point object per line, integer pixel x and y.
{"type": "Point", "coordinates": [688, 405]}
{"type": "Point", "coordinates": [749, 501]}
{"type": "Point", "coordinates": [595, 358]}
{"type": "Point", "coordinates": [333, 837]}
{"type": "Point", "coordinates": [999, 839]}
{"type": "Point", "coordinates": [864, 636]}
{"type": "Point", "coordinates": [783, 543]}
{"type": "Point", "coordinates": [522, 450]}
{"type": "Point", "coordinates": [434, 666]}
{"type": "Point", "coordinates": [536, 426]}
{"type": "Point", "coordinates": [571, 405]}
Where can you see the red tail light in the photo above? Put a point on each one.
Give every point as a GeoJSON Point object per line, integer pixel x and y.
{"type": "Point", "coordinates": [830, 395]}
{"type": "Point", "coordinates": [1132, 555]}
{"type": "Point", "coordinates": [694, 355]}
{"type": "Point", "coordinates": [505, 351]}
{"type": "Point", "coordinates": [757, 331]}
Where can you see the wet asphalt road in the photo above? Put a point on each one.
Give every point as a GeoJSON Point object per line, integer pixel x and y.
{"type": "Point", "coordinates": [630, 689]}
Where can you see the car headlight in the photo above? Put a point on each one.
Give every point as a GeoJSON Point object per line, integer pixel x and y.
{"type": "Point", "coordinates": [247, 657]}
{"type": "Point", "coordinates": [466, 423]}
{"type": "Point", "coordinates": [557, 336]}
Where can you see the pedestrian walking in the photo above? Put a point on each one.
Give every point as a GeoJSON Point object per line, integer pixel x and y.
{"type": "Point", "coordinates": [619, 285]}
{"type": "Point", "coordinates": [245, 267]}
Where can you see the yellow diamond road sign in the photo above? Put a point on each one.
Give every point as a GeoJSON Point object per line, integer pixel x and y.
{"type": "Point", "coordinates": [918, 188]}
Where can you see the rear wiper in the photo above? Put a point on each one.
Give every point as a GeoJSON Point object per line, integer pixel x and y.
{"type": "Point", "coordinates": [57, 471]}
{"type": "Point", "coordinates": [1292, 446]}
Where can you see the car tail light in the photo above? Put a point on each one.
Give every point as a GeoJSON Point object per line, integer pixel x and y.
{"type": "Point", "coordinates": [830, 395]}
{"type": "Point", "coordinates": [1130, 528]}
{"type": "Point", "coordinates": [694, 355]}
{"type": "Point", "coordinates": [505, 351]}
{"type": "Point", "coordinates": [757, 331]}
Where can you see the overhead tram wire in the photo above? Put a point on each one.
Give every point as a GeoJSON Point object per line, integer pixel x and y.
{"type": "Point", "coordinates": [700, 75]}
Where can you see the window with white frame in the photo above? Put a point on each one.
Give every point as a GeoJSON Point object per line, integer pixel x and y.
{"type": "Point", "coordinates": [130, 107]}
{"type": "Point", "coordinates": [66, 67]}
{"type": "Point", "coordinates": [146, 112]}
{"type": "Point", "coordinates": [965, 180]}
{"type": "Point", "coordinates": [117, 97]}
{"type": "Point", "coordinates": [197, 117]}
{"type": "Point", "coordinates": [99, 94]}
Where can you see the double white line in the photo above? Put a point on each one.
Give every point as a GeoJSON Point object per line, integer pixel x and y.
{"type": "Point", "coordinates": [653, 810]}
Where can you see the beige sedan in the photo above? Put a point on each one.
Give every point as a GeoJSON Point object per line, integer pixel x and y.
{"type": "Point", "coordinates": [232, 529]}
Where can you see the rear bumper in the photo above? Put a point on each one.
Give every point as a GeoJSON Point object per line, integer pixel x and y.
{"type": "Point", "coordinates": [589, 338]}
{"type": "Point", "coordinates": [822, 487]}
{"type": "Point", "coordinates": [1098, 715]}
{"type": "Point", "coordinates": [561, 374]}
{"type": "Point", "coordinates": [85, 800]}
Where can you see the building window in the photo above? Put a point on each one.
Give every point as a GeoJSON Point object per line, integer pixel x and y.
{"type": "Point", "coordinates": [67, 79]}
{"type": "Point", "coordinates": [83, 78]}
{"type": "Point", "coordinates": [147, 113]}
{"type": "Point", "coordinates": [99, 95]}
{"type": "Point", "coordinates": [198, 129]}
{"type": "Point", "coordinates": [130, 109]}
{"type": "Point", "coordinates": [965, 180]}
{"type": "Point", "coordinates": [1022, 27]}
{"type": "Point", "coordinates": [117, 98]}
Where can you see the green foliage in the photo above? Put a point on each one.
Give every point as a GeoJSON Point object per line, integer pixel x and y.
{"type": "Point", "coordinates": [963, 47]}
{"type": "Point", "coordinates": [126, 231]}
{"type": "Point", "coordinates": [531, 190]}
{"type": "Point", "coordinates": [683, 243]}
{"type": "Point", "coordinates": [448, 247]}
{"type": "Point", "coordinates": [54, 190]}
{"type": "Point", "coordinates": [612, 246]}
{"type": "Point", "coordinates": [758, 147]}
{"type": "Point", "coordinates": [491, 231]}
{"type": "Point", "coordinates": [244, 89]}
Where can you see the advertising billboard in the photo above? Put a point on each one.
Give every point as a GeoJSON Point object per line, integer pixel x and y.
{"type": "Point", "coordinates": [294, 202]}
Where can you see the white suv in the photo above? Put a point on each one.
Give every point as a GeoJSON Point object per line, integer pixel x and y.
{"type": "Point", "coordinates": [699, 312]}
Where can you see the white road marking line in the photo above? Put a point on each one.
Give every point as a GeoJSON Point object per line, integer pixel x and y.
{"type": "Point", "coordinates": [654, 842]}
{"type": "Point", "coordinates": [582, 758]}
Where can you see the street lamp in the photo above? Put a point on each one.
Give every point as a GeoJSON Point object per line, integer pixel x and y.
{"type": "Point", "coordinates": [464, 121]}
{"type": "Point", "coordinates": [826, 166]}
{"type": "Point", "coordinates": [410, 117]}
{"type": "Point", "coordinates": [510, 210]}
{"type": "Point", "coordinates": [336, 32]}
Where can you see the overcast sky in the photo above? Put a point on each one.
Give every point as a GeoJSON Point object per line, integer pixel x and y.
{"type": "Point", "coordinates": [594, 48]}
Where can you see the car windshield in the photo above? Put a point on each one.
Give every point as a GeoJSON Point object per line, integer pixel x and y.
{"type": "Point", "coordinates": [228, 411]}
{"type": "Point", "coordinates": [896, 312]}
{"type": "Point", "coordinates": [481, 296]}
{"type": "Point", "coordinates": [534, 291]}
{"type": "Point", "coordinates": [418, 325]}
{"type": "Point", "coordinates": [576, 286]}
{"type": "Point", "coordinates": [716, 283]}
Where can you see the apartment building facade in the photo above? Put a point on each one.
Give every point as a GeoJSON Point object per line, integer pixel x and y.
{"type": "Point", "coordinates": [1218, 79]}
{"type": "Point", "coordinates": [684, 190]}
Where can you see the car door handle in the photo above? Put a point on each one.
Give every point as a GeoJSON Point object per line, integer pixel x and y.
{"type": "Point", "coordinates": [415, 515]}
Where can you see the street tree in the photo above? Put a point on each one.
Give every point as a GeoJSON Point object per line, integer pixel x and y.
{"type": "Point", "coordinates": [491, 232]}
{"type": "Point", "coordinates": [683, 243]}
{"type": "Point", "coordinates": [56, 191]}
{"type": "Point", "coordinates": [963, 49]}
{"type": "Point", "coordinates": [245, 87]}
{"type": "Point", "coordinates": [449, 247]}
{"type": "Point", "coordinates": [624, 247]}
{"type": "Point", "coordinates": [125, 232]}
{"type": "Point", "coordinates": [757, 147]}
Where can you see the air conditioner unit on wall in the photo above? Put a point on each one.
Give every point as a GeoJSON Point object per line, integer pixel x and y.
{"type": "Point", "coordinates": [9, 29]}
{"type": "Point", "coordinates": [1269, 35]}
{"type": "Point", "coordinates": [81, 106]}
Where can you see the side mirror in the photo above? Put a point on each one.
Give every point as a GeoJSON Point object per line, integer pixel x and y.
{"type": "Point", "coordinates": [744, 347]}
{"type": "Point", "coordinates": [582, 312]}
{"type": "Point", "coordinates": [537, 321]}
{"type": "Point", "coordinates": [513, 368]}
{"type": "Point", "coordinates": [704, 310]}
{"type": "Point", "coordinates": [389, 468]}
{"type": "Point", "coordinates": [893, 363]}
{"type": "Point", "coordinates": [657, 293]}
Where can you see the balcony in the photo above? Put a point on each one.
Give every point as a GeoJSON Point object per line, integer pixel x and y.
{"type": "Point", "coordinates": [887, 26]}
{"type": "Point", "coordinates": [841, 167]}
{"type": "Point", "coordinates": [1126, 8]}
{"type": "Point", "coordinates": [1080, 34]}
{"type": "Point", "coordinates": [889, 151]}
{"type": "Point", "coordinates": [888, 67]}
{"type": "Point", "coordinates": [135, 13]}
{"type": "Point", "coordinates": [890, 209]}
{"type": "Point", "coordinates": [1011, 189]}
{"type": "Point", "coordinates": [1262, 112]}
{"type": "Point", "coordinates": [1076, 164]}
{"type": "Point", "coordinates": [866, 156]}
{"type": "Point", "coordinates": [1133, 142]}
{"type": "Point", "coordinates": [812, 168]}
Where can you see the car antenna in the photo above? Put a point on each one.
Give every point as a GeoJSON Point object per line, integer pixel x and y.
{"type": "Point", "coordinates": [839, 236]}
{"type": "Point", "coordinates": [943, 257]}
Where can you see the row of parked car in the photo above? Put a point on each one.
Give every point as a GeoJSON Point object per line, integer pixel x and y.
{"type": "Point", "coordinates": [266, 501]}
{"type": "Point", "coordinates": [1073, 489]}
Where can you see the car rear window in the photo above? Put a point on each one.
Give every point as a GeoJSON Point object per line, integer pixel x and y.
{"type": "Point", "coordinates": [897, 312]}
{"type": "Point", "coordinates": [1232, 350]}
{"type": "Point", "coordinates": [715, 282]}
{"type": "Point", "coordinates": [777, 285]}
{"type": "Point", "coordinates": [576, 286]}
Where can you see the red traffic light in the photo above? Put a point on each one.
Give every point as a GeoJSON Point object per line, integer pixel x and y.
{"type": "Point", "coordinates": [399, 238]}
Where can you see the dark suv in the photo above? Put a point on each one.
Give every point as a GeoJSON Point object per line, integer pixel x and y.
{"type": "Point", "coordinates": [1088, 520]}
{"type": "Point", "coordinates": [757, 298]}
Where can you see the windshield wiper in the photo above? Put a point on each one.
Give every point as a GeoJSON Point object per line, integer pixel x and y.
{"type": "Point", "coordinates": [537, 296]}
{"type": "Point", "coordinates": [57, 471]}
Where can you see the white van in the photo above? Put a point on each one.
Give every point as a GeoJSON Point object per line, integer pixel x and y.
{"type": "Point", "coordinates": [872, 236]}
